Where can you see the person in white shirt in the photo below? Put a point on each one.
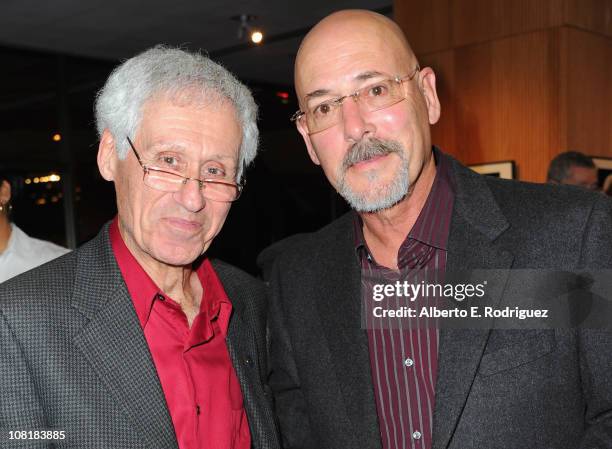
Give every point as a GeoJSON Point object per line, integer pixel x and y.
{"type": "Point", "coordinates": [18, 251]}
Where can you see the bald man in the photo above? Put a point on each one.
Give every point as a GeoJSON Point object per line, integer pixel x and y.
{"type": "Point", "coordinates": [344, 380]}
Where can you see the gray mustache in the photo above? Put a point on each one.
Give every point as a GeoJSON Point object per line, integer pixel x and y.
{"type": "Point", "coordinates": [368, 149]}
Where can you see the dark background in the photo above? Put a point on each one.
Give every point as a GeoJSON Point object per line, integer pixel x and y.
{"type": "Point", "coordinates": [54, 60]}
{"type": "Point", "coordinates": [285, 193]}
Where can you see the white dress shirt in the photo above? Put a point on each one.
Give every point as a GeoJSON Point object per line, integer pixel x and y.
{"type": "Point", "coordinates": [23, 253]}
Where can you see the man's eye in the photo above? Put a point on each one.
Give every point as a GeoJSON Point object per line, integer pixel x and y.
{"type": "Point", "coordinates": [323, 109]}
{"type": "Point", "coordinates": [214, 171]}
{"type": "Point", "coordinates": [378, 90]}
{"type": "Point", "coordinates": [168, 161]}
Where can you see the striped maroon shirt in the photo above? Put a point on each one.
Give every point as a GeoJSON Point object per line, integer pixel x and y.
{"type": "Point", "coordinates": [404, 353]}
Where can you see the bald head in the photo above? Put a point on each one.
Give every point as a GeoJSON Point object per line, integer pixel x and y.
{"type": "Point", "coordinates": [376, 149]}
{"type": "Point", "coordinates": [347, 38]}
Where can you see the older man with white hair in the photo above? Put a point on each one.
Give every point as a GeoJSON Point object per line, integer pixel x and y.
{"type": "Point", "coordinates": [137, 339]}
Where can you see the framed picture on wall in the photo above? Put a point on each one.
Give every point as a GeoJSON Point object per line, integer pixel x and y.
{"type": "Point", "coordinates": [604, 169]}
{"type": "Point", "coordinates": [503, 169]}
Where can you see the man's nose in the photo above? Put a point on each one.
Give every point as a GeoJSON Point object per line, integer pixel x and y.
{"type": "Point", "coordinates": [190, 195]}
{"type": "Point", "coordinates": [355, 121]}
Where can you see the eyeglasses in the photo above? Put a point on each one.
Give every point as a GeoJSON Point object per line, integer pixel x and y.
{"type": "Point", "coordinates": [166, 181]}
{"type": "Point", "coordinates": [373, 97]}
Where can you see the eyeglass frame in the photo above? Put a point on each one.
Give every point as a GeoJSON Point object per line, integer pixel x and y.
{"type": "Point", "coordinates": [355, 95]}
{"type": "Point", "coordinates": [201, 182]}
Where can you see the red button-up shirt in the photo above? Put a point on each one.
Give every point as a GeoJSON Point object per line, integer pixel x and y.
{"type": "Point", "coordinates": [193, 364]}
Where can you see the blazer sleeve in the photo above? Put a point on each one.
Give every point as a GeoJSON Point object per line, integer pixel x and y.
{"type": "Point", "coordinates": [595, 345]}
{"type": "Point", "coordinates": [289, 402]}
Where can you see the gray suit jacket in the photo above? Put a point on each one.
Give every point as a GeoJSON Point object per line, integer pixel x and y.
{"type": "Point", "coordinates": [495, 389]}
{"type": "Point", "coordinates": [73, 356]}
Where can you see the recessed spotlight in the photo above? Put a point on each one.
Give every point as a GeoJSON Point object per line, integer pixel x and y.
{"type": "Point", "coordinates": [246, 31]}
{"type": "Point", "coordinates": [256, 36]}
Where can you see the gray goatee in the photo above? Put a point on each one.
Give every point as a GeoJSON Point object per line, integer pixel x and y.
{"type": "Point", "coordinates": [378, 197]}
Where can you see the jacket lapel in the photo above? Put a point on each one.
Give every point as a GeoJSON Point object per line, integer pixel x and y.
{"type": "Point", "coordinates": [244, 352]}
{"type": "Point", "coordinates": [476, 223]}
{"type": "Point", "coordinates": [339, 307]}
{"type": "Point", "coordinates": [114, 344]}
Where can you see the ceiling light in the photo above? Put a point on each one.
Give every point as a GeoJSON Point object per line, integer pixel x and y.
{"type": "Point", "coordinates": [246, 31]}
{"type": "Point", "coordinates": [256, 36]}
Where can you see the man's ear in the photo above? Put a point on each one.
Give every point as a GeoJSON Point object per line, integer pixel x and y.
{"type": "Point", "coordinates": [5, 192]}
{"type": "Point", "coordinates": [303, 129]}
{"type": "Point", "coordinates": [428, 88]}
{"type": "Point", "coordinates": [107, 156]}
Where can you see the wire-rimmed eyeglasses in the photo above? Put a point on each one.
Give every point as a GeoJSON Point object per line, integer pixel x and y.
{"type": "Point", "coordinates": [166, 181]}
{"type": "Point", "coordinates": [373, 97]}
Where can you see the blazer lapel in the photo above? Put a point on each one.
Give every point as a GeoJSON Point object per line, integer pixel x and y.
{"type": "Point", "coordinates": [240, 338]}
{"type": "Point", "coordinates": [114, 344]}
{"type": "Point", "coordinates": [339, 307]}
{"type": "Point", "coordinates": [477, 222]}
{"type": "Point", "coordinates": [243, 351]}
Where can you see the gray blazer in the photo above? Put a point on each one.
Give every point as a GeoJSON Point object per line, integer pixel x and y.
{"type": "Point", "coordinates": [73, 356]}
{"type": "Point", "coordinates": [495, 389]}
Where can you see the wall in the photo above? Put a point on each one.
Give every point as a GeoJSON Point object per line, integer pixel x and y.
{"type": "Point", "coordinates": [518, 80]}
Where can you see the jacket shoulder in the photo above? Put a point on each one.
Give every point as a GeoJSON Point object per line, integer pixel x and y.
{"type": "Point", "coordinates": [519, 201]}
{"type": "Point", "coordinates": [230, 274]}
{"type": "Point", "coordinates": [43, 283]}
{"type": "Point", "coordinates": [556, 206]}
{"type": "Point", "coordinates": [553, 225]}
{"type": "Point", "coordinates": [307, 247]}
{"type": "Point", "coordinates": [52, 285]}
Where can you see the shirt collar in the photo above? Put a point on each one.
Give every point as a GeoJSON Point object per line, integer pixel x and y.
{"type": "Point", "coordinates": [14, 240]}
{"type": "Point", "coordinates": [144, 291]}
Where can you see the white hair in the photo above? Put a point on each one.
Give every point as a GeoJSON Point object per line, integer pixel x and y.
{"type": "Point", "coordinates": [175, 72]}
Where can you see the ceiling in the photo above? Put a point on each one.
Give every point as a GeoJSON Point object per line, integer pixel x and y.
{"type": "Point", "coordinates": [114, 30]}
{"type": "Point", "coordinates": [57, 54]}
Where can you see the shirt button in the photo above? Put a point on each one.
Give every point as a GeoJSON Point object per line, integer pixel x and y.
{"type": "Point", "coordinates": [416, 435]}
{"type": "Point", "coordinates": [248, 361]}
{"type": "Point", "coordinates": [160, 297]}
{"type": "Point", "coordinates": [408, 362]}
{"type": "Point", "coordinates": [197, 409]}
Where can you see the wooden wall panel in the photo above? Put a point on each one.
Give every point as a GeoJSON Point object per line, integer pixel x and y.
{"type": "Point", "coordinates": [483, 20]}
{"type": "Point", "coordinates": [523, 91]}
{"type": "Point", "coordinates": [590, 15]}
{"type": "Point", "coordinates": [428, 28]}
{"type": "Point", "coordinates": [494, 109]}
{"type": "Point", "coordinates": [515, 83]}
{"type": "Point", "coordinates": [589, 92]}
{"type": "Point", "coordinates": [506, 99]}
{"type": "Point", "coordinates": [442, 24]}
{"type": "Point", "coordinates": [473, 103]}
